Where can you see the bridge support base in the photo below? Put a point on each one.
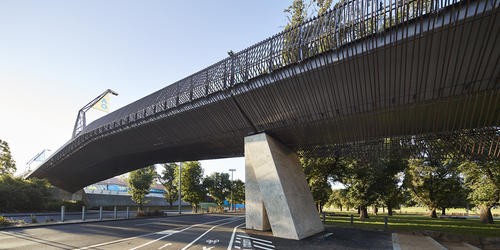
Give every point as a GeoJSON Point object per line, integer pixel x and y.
{"type": "Point", "coordinates": [276, 192]}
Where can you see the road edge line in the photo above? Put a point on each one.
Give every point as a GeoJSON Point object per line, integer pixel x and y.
{"type": "Point", "coordinates": [230, 246]}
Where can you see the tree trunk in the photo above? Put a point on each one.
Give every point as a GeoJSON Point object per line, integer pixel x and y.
{"type": "Point", "coordinates": [433, 213]}
{"type": "Point", "coordinates": [443, 211]}
{"type": "Point", "coordinates": [363, 215]}
{"type": "Point", "coordinates": [389, 210]}
{"type": "Point", "coordinates": [359, 210]}
{"type": "Point", "coordinates": [340, 208]}
{"type": "Point", "coordinates": [375, 210]}
{"type": "Point", "coordinates": [485, 215]}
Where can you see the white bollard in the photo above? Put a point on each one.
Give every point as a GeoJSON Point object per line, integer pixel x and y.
{"type": "Point", "coordinates": [83, 213]}
{"type": "Point", "coordinates": [114, 213]}
{"type": "Point", "coordinates": [128, 215]}
{"type": "Point", "coordinates": [100, 212]}
{"type": "Point", "coordinates": [62, 213]}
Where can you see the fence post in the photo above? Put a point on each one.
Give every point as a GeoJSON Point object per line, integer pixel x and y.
{"type": "Point", "coordinates": [114, 213]}
{"type": "Point", "coordinates": [62, 213]}
{"type": "Point", "coordinates": [83, 213]}
{"type": "Point", "coordinates": [352, 219]}
{"type": "Point", "coordinates": [127, 216]}
{"type": "Point", "coordinates": [385, 222]}
{"type": "Point", "coordinates": [100, 212]}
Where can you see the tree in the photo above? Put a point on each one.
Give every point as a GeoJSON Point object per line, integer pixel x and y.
{"type": "Point", "coordinates": [139, 182]}
{"type": "Point", "coordinates": [218, 186]}
{"type": "Point", "coordinates": [433, 181]}
{"type": "Point", "coordinates": [338, 198]}
{"type": "Point", "coordinates": [7, 164]}
{"type": "Point", "coordinates": [191, 183]}
{"type": "Point", "coordinates": [318, 171]}
{"type": "Point", "coordinates": [482, 177]}
{"type": "Point", "coordinates": [296, 14]}
{"type": "Point", "coordinates": [238, 192]}
{"type": "Point", "coordinates": [360, 182]}
{"type": "Point", "coordinates": [168, 180]}
{"type": "Point", "coordinates": [17, 194]}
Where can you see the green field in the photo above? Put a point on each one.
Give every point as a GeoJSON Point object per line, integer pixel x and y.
{"type": "Point", "coordinates": [413, 222]}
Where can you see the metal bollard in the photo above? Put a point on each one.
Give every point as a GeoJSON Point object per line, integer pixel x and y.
{"type": "Point", "coordinates": [83, 213]}
{"type": "Point", "coordinates": [114, 213]}
{"type": "Point", "coordinates": [352, 219]}
{"type": "Point", "coordinates": [100, 212]}
{"type": "Point", "coordinates": [385, 222]}
{"type": "Point", "coordinates": [128, 215]}
{"type": "Point", "coordinates": [62, 213]}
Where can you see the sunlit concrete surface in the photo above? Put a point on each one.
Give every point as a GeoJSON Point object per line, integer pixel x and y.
{"type": "Point", "coordinates": [282, 187]}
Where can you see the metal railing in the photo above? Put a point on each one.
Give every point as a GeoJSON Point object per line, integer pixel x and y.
{"type": "Point", "coordinates": [346, 23]}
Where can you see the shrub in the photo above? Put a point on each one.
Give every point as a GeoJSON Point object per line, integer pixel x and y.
{"type": "Point", "coordinates": [4, 222]}
{"type": "Point", "coordinates": [142, 213]}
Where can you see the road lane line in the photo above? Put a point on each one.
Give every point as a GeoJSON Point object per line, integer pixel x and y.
{"type": "Point", "coordinates": [265, 248]}
{"type": "Point", "coordinates": [262, 244]}
{"type": "Point", "coordinates": [166, 245]}
{"type": "Point", "coordinates": [232, 236]}
{"type": "Point", "coordinates": [23, 236]}
{"type": "Point", "coordinates": [129, 238]}
{"type": "Point", "coordinates": [199, 237]}
{"type": "Point", "coordinates": [167, 235]}
{"type": "Point", "coordinates": [395, 242]}
{"type": "Point", "coordinates": [257, 239]}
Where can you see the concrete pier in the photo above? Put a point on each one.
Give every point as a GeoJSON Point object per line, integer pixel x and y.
{"type": "Point", "coordinates": [276, 192]}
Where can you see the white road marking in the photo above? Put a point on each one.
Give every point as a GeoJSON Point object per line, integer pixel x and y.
{"type": "Point", "coordinates": [247, 243]}
{"type": "Point", "coordinates": [265, 248]}
{"type": "Point", "coordinates": [237, 247]}
{"type": "Point", "coordinates": [232, 236]}
{"type": "Point", "coordinates": [212, 242]}
{"type": "Point", "coordinates": [395, 242]}
{"type": "Point", "coordinates": [129, 238]}
{"type": "Point", "coordinates": [199, 237]}
{"type": "Point", "coordinates": [257, 239]}
{"type": "Point", "coordinates": [262, 244]}
{"type": "Point", "coordinates": [166, 245]}
{"type": "Point", "coordinates": [25, 236]}
{"type": "Point", "coordinates": [435, 243]}
{"type": "Point", "coordinates": [165, 236]}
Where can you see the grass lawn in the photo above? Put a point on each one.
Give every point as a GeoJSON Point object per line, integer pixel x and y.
{"type": "Point", "coordinates": [403, 222]}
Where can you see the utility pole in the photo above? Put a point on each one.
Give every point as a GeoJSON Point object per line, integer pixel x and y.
{"type": "Point", "coordinates": [180, 187]}
{"type": "Point", "coordinates": [232, 203]}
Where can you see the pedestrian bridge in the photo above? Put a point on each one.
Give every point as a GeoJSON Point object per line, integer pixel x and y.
{"type": "Point", "coordinates": [363, 71]}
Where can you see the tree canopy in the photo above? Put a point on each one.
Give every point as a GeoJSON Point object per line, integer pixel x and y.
{"type": "Point", "coordinates": [139, 182]}
{"type": "Point", "coordinates": [218, 186]}
{"type": "Point", "coordinates": [192, 189]}
{"type": "Point", "coordinates": [168, 179]}
{"type": "Point", "coordinates": [7, 164]}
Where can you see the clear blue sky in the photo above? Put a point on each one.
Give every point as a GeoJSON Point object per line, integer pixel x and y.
{"type": "Point", "coordinates": [55, 56]}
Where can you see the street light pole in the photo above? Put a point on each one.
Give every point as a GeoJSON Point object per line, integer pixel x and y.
{"type": "Point", "coordinates": [180, 187]}
{"type": "Point", "coordinates": [232, 202]}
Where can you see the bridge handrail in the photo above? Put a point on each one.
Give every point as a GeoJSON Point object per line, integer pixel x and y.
{"type": "Point", "coordinates": [347, 22]}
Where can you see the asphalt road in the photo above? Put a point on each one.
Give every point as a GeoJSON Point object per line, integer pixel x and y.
{"type": "Point", "coordinates": [207, 232]}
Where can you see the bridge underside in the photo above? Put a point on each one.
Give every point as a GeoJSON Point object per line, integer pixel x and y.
{"type": "Point", "coordinates": [438, 80]}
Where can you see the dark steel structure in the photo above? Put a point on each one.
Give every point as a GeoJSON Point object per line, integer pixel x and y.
{"type": "Point", "coordinates": [363, 71]}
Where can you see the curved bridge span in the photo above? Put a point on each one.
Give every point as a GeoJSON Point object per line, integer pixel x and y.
{"type": "Point", "coordinates": [361, 71]}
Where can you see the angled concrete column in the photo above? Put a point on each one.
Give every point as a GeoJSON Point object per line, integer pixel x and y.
{"type": "Point", "coordinates": [274, 177]}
